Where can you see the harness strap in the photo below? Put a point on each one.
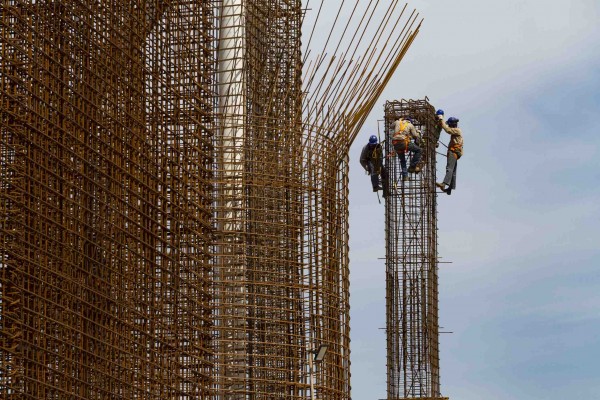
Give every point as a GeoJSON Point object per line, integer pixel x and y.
{"type": "Point", "coordinates": [457, 150]}
{"type": "Point", "coordinates": [405, 140]}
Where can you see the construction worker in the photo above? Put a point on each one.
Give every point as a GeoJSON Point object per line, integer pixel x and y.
{"type": "Point", "coordinates": [404, 131]}
{"type": "Point", "coordinates": [455, 151]}
{"type": "Point", "coordinates": [438, 128]}
{"type": "Point", "coordinates": [371, 159]}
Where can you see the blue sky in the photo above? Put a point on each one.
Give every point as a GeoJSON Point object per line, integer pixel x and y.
{"type": "Point", "coordinates": [522, 294]}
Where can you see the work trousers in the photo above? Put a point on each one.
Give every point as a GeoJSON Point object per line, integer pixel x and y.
{"type": "Point", "coordinates": [375, 181]}
{"type": "Point", "coordinates": [451, 164]}
{"type": "Point", "coordinates": [416, 157]}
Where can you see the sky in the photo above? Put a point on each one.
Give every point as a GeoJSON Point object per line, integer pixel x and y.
{"type": "Point", "coordinates": [522, 294]}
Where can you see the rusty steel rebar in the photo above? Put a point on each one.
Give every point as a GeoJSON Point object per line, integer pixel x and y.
{"type": "Point", "coordinates": [174, 194]}
{"type": "Point", "coordinates": [105, 193]}
{"type": "Point", "coordinates": [412, 329]}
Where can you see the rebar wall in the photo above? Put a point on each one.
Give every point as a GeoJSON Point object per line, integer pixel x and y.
{"type": "Point", "coordinates": [258, 293]}
{"type": "Point", "coordinates": [411, 263]}
{"type": "Point", "coordinates": [174, 195]}
{"type": "Point", "coordinates": [105, 185]}
{"type": "Point", "coordinates": [281, 198]}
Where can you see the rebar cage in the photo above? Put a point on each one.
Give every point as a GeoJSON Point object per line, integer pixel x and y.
{"type": "Point", "coordinates": [173, 200]}
{"type": "Point", "coordinates": [105, 193]}
{"type": "Point", "coordinates": [411, 261]}
{"type": "Point", "coordinates": [282, 282]}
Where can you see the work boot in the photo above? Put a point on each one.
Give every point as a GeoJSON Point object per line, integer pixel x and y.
{"type": "Point", "coordinates": [417, 169]}
{"type": "Point", "coordinates": [448, 191]}
{"type": "Point", "coordinates": [411, 169]}
{"type": "Point", "coordinates": [377, 188]}
{"type": "Point", "coordinates": [405, 178]}
{"type": "Point", "coordinates": [441, 186]}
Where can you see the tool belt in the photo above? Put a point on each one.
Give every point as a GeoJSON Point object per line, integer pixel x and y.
{"type": "Point", "coordinates": [457, 150]}
{"type": "Point", "coordinates": [401, 145]}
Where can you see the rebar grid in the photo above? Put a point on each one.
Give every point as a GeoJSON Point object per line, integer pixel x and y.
{"type": "Point", "coordinates": [281, 251]}
{"type": "Point", "coordinates": [161, 161]}
{"type": "Point", "coordinates": [411, 262]}
{"type": "Point", "coordinates": [281, 263]}
{"type": "Point", "coordinates": [258, 300]}
{"type": "Point", "coordinates": [105, 193]}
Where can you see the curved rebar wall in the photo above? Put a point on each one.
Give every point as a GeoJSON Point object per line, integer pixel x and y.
{"type": "Point", "coordinates": [326, 263]}
{"type": "Point", "coordinates": [282, 282]}
{"type": "Point", "coordinates": [105, 189]}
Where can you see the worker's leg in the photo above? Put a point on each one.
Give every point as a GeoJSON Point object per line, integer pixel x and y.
{"type": "Point", "coordinates": [400, 151]}
{"type": "Point", "coordinates": [453, 183]}
{"type": "Point", "coordinates": [374, 176]}
{"type": "Point", "coordinates": [450, 169]}
{"type": "Point", "coordinates": [416, 157]}
{"type": "Point", "coordinates": [402, 158]}
{"type": "Point", "coordinates": [374, 180]}
{"type": "Point", "coordinates": [384, 181]}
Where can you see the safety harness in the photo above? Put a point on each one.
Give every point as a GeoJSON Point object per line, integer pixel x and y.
{"type": "Point", "coordinates": [376, 157]}
{"type": "Point", "coordinates": [400, 140]}
{"type": "Point", "coordinates": [457, 150]}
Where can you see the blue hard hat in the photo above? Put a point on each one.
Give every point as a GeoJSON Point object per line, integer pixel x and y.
{"type": "Point", "coordinates": [453, 122]}
{"type": "Point", "coordinates": [373, 139]}
{"type": "Point", "coordinates": [439, 112]}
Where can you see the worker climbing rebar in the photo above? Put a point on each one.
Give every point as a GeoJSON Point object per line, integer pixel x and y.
{"type": "Point", "coordinates": [455, 151]}
{"type": "Point", "coordinates": [404, 139]}
{"type": "Point", "coordinates": [371, 159]}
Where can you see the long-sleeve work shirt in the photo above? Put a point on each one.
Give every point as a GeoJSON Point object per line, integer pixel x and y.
{"type": "Point", "coordinates": [456, 137]}
{"type": "Point", "coordinates": [404, 129]}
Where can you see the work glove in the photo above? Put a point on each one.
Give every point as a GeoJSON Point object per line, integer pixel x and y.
{"type": "Point", "coordinates": [440, 117]}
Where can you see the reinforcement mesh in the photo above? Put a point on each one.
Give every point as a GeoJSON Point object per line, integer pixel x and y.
{"type": "Point", "coordinates": [105, 194]}
{"type": "Point", "coordinates": [411, 261]}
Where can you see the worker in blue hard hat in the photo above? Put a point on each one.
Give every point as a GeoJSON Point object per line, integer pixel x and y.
{"type": "Point", "coordinates": [455, 152]}
{"type": "Point", "coordinates": [371, 159]}
{"type": "Point", "coordinates": [406, 138]}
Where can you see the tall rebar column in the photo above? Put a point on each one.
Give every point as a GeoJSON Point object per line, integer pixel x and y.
{"type": "Point", "coordinates": [411, 262]}
{"type": "Point", "coordinates": [106, 121]}
{"type": "Point", "coordinates": [259, 309]}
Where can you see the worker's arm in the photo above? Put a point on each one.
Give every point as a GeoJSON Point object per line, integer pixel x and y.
{"type": "Point", "coordinates": [415, 134]}
{"type": "Point", "coordinates": [364, 158]}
